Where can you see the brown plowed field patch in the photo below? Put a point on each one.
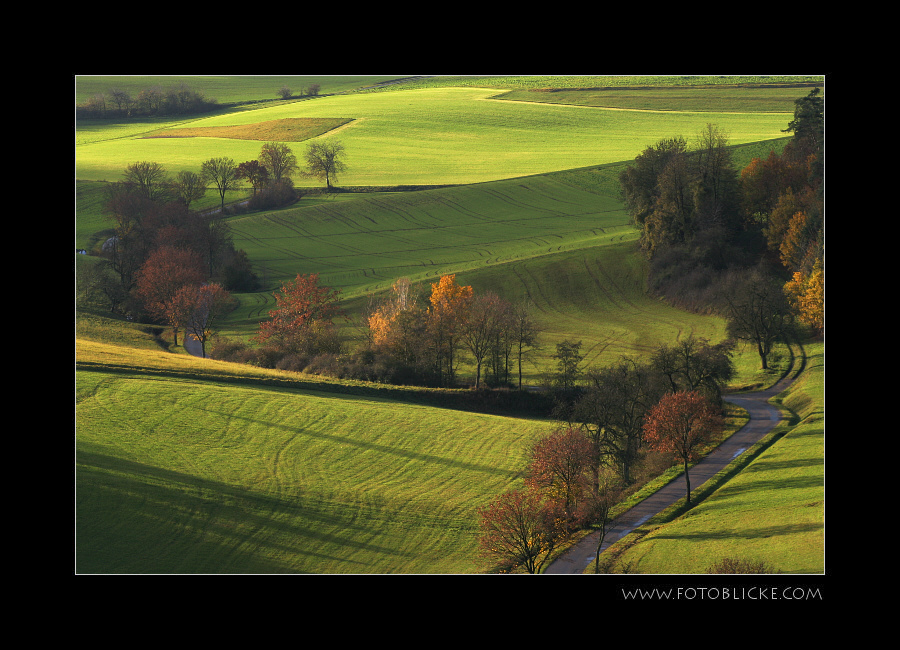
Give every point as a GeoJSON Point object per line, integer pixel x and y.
{"type": "Point", "coordinates": [291, 129]}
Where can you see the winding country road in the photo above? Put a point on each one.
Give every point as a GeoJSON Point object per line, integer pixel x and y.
{"type": "Point", "coordinates": [763, 418]}
{"type": "Point", "coordinates": [192, 345]}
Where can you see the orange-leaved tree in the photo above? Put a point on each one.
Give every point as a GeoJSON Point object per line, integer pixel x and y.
{"type": "Point", "coordinates": [682, 422]}
{"type": "Point", "coordinates": [449, 302]}
{"type": "Point", "coordinates": [381, 321]}
{"type": "Point", "coordinates": [303, 318]}
{"type": "Point", "coordinates": [807, 296]}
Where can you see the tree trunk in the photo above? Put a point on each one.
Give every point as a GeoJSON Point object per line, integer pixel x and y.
{"type": "Point", "coordinates": [687, 480]}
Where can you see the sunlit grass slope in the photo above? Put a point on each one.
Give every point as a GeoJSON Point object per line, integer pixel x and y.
{"type": "Point", "coordinates": [562, 242]}
{"type": "Point", "coordinates": [182, 474]}
{"type": "Point", "coordinates": [427, 136]}
{"type": "Point", "coordinates": [365, 244]}
{"type": "Point", "coordinates": [773, 511]}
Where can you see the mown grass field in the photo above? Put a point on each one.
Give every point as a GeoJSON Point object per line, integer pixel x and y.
{"type": "Point", "coordinates": [178, 473]}
{"type": "Point", "coordinates": [195, 466]}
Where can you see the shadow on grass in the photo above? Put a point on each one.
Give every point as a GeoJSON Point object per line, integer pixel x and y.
{"type": "Point", "coordinates": [136, 518]}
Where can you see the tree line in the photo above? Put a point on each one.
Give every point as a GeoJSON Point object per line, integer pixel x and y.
{"type": "Point", "coordinates": [158, 101]}
{"type": "Point", "coordinates": [748, 244]}
{"type": "Point", "coordinates": [152, 101]}
{"type": "Point", "coordinates": [405, 339]}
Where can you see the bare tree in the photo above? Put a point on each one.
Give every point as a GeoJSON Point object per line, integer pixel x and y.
{"type": "Point", "coordinates": [324, 160]}
{"type": "Point", "coordinates": [524, 333]}
{"type": "Point", "coordinates": [758, 312]}
{"type": "Point", "coordinates": [188, 187]}
{"type": "Point", "coordinates": [122, 99]}
{"type": "Point", "coordinates": [223, 173]}
{"type": "Point", "coordinates": [200, 310]}
{"type": "Point", "coordinates": [482, 326]}
{"type": "Point", "coordinates": [278, 158]}
{"type": "Point", "coordinates": [148, 178]}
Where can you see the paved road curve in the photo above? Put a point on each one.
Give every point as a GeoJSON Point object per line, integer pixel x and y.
{"type": "Point", "coordinates": [763, 418]}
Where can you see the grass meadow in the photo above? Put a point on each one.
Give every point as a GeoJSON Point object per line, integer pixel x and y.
{"type": "Point", "coordinates": [184, 474]}
{"type": "Point", "coordinates": [197, 466]}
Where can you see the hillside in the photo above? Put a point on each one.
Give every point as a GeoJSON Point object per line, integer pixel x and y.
{"type": "Point", "coordinates": [188, 465]}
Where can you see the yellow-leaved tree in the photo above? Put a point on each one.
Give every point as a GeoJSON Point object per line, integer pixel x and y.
{"type": "Point", "coordinates": [449, 303]}
{"type": "Point", "coordinates": [807, 296]}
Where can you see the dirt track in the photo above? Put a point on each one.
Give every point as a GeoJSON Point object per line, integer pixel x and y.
{"type": "Point", "coordinates": [763, 418]}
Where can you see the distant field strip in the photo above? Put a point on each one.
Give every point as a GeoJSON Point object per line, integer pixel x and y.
{"type": "Point", "coordinates": [285, 130]}
{"type": "Point", "coordinates": [429, 136]}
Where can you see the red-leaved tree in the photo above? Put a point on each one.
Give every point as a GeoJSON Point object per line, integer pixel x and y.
{"type": "Point", "coordinates": [520, 529]}
{"type": "Point", "coordinates": [303, 316]}
{"type": "Point", "coordinates": [681, 422]}
{"type": "Point", "coordinates": [167, 269]}
{"type": "Point", "coordinates": [561, 468]}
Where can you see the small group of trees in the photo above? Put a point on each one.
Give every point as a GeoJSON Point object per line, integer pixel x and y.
{"type": "Point", "coordinates": [497, 333]}
{"type": "Point", "coordinates": [151, 101]}
{"type": "Point", "coordinates": [164, 261]}
{"type": "Point", "coordinates": [271, 175]}
{"type": "Point", "coordinates": [617, 416]}
{"type": "Point", "coordinates": [748, 245]}
{"type": "Point", "coordinates": [406, 339]}
{"type": "Point", "coordinates": [286, 93]}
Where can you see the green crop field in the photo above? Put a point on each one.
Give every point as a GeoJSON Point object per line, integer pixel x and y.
{"type": "Point", "coordinates": [196, 466]}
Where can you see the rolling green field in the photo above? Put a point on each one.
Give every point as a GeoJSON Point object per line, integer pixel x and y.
{"type": "Point", "coordinates": [559, 241]}
{"type": "Point", "coordinates": [431, 136]}
{"type": "Point", "coordinates": [180, 473]}
{"type": "Point", "coordinates": [197, 466]}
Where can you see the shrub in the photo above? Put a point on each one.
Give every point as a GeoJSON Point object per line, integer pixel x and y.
{"type": "Point", "coordinates": [276, 195]}
{"type": "Point", "coordinates": [739, 565]}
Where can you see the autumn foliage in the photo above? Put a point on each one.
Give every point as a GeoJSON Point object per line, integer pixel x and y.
{"type": "Point", "coordinates": [446, 316]}
{"type": "Point", "coordinates": [561, 467]}
{"type": "Point", "coordinates": [807, 296]}
{"type": "Point", "coordinates": [519, 530]}
{"type": "Point", "coordinates": [304, 314]}
{"type": "Point", "coordinates": [168, 269]}
{"type": "Point", "coordinates": [681, 423]}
